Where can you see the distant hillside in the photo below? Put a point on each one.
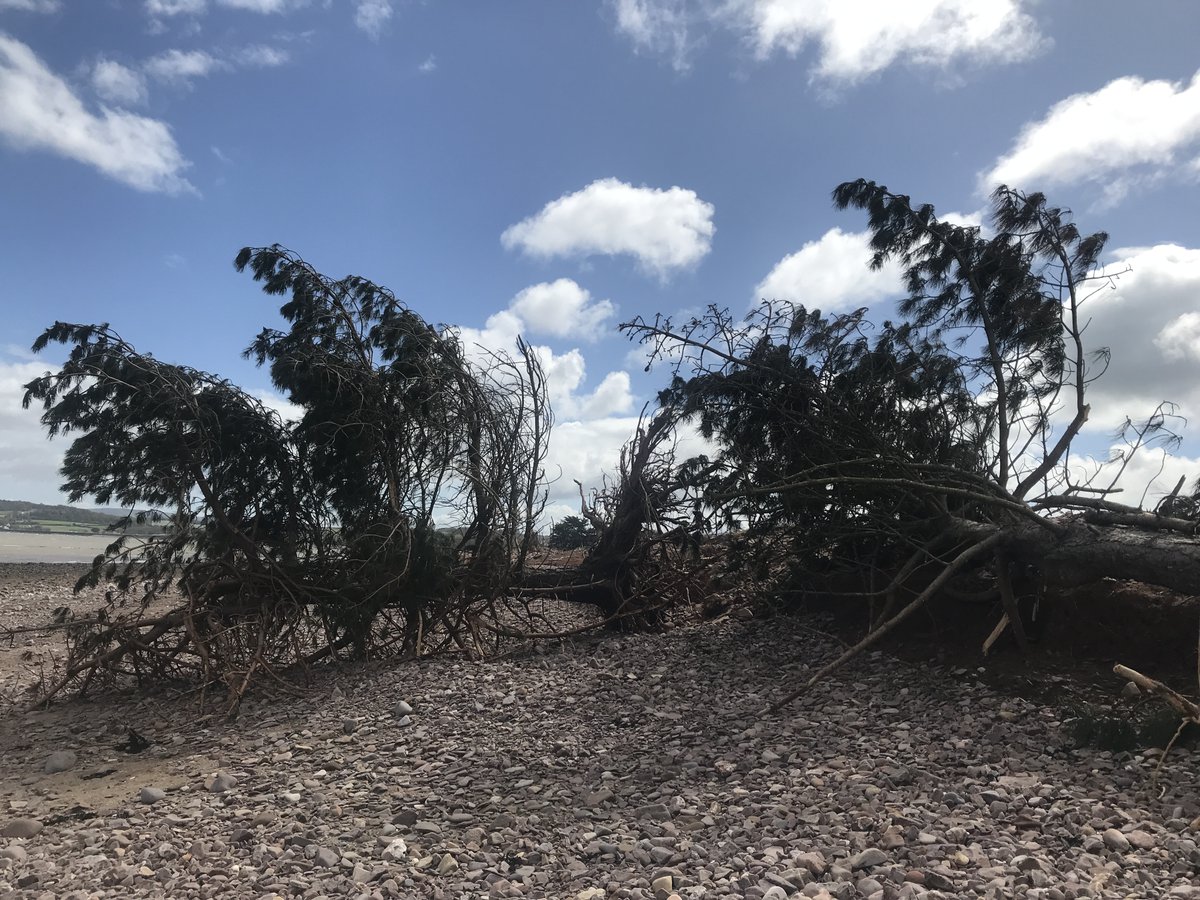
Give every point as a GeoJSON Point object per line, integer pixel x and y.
{"type": "Point", "coordinates": [22, 515]}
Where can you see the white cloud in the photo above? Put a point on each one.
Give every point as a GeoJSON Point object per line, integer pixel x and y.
{"type": "Point", "coordinates": [1150, 474]}
{"type": "Point", "coordinates": [40, 111]}
{"type": "Point", "coordinates": [428, 66]}
{"type": "Point", "coordinates": [859, 38]}
{"type": "Point", "coordinates": [265, 7]}
{"type": "Point", "coordinates": [565, 375]}
{"type": "Point", "coordinates": [1179, 339]}
{"type": "Point", "coordinates": [261, 55]}
{"type": "Point", "coordinates": [562, 309]}
{"type": "Point", "coordinates": [167, 8]}
{"type": "Point", "coordinates": [28, 463]}
{"type": "Point", "coordinates": [1127, 133]}
{"type": "Point", "coordinates": [287, 410]}
{"type": "Point", "coordinates": [664, 230]}
{"type": "Point", "coordinates": [587, 450]}
{"type": "Point", "coordinates": [831, 274]}
{"type": "Point", "coordinates": [854, 39]}
{"type": "Point", "coordinates": [35, 6]}
{"type": "Point", "coordinates": [1149, 321]}
{"type": "Point", "coordinates": [175, 7]}
{"type": "Point", "coordinates": [372, 16]}
{"type": "Point", "coordinates": [181, 66]}
{"type": "Point", "coordinates": [657, 26]}
{"type": "Point", "coordinates": [118, 84]}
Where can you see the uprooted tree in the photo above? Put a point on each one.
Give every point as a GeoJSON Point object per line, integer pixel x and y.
{"type": "Point", "coordinates": [290, 541]}
{"type": "Point", "coordinates": [892, 463]}
{"type": "Point", "coordinates": [930, 455]}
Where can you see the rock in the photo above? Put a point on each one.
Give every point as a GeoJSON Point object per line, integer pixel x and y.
{"type": "Point", "coordinates": [151, 795]}
{"type": "Point", "coordinates": [263, 817]}
{"type": "Point", "coordinates": [396, 851]}
{"type": "Point", "coordinates": [222, 782]}
{"type": "Point", "coordinates": [1130, 689]}
{"type": "Point", "coordinates": [664, 883]}
{"type": "Point", "coordinates": [16, 853]}
{"type": "Point", "coordinates": [867, 859]}
{"type": "Point", "coordinates": [662, 855]}
{"type": "Point", "coordinates": [598, 797]}
{"type": "Point", "coordinates": [349, 726]}
{"type": "Point", "coordinates": [868, 886]}
{"type": "Point", "coordinates": [1114, 840]}
{"type": "Point", "coordinates": [936, 881]}
{"type": "Point", "coordinates": [60, 761]}
{"type": "Point", "coordinates": [1142, 840]}
{"type": "Point", "coordinates": [656, 811]}
{"type": "Point", "coordinates": [21, 828]}
{"type": "Point", "coordinates": [592, 893]}
{"type": "Point", "coordinates": [814, 862]}
{"type": "Point", "coordinates": [447, 864]}
{"type": "Point", "coordinates": [401, 708]}
{"type": "Point", "coordinates": [326, 857]}
{"type": "Point", "coordinates": [427, 827]}
{"type": "Point", "coordinates": [775, 892]}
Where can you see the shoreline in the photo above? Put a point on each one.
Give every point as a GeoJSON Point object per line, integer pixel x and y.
{"type": "Point", "coordinates": [62, 549]}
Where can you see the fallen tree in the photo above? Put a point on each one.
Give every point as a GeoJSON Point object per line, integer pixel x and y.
{"type": "Point", "coordinates": [289, 541]}
{"type": "Point", "coordinates": [928, 456]}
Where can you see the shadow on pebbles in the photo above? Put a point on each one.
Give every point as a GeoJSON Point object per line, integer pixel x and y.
{"type": "Point", "coordinates": [635, 767]}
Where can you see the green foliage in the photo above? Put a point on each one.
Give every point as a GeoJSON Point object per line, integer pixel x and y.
{"type": "Point", "coordinates": [847, 446]}
{"type": "Point", "coordinates": [327, 519]}
{"type": "Point", "coordinates": [571, 533]}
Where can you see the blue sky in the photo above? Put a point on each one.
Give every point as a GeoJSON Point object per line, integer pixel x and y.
{"type": "Point", "coordinates": [553, 168]}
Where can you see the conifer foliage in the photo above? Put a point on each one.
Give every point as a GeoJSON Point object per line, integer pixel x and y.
{"type": "Point", "coordinates": [295, 539]}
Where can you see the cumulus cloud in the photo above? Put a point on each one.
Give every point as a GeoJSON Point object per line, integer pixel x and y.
{"type": "Point", "coordinates": [559, 309]}
{"type": "Point", "coordinates": [1148, 318]}
{"type": "Point", "coordinates": [118, 84]}
{"type": "Point", "coordinates": [664, 230]}
{"type": "Point", "coordinates": [831, 274]}
{"type": "Point", "coordinates": [859, 38]}
{"type": "Point", "coordinates": [40, 111]}
{"type": "Point", "coordinates": [1129, 132]}
{"type": "Point", "coordinates": [562, 309]}
{"type": "Point", "coordinates": [565, 375]}
{"type": "Point", "coordinates": [372, 16]}
{"type": "Point", "coordinates": [1179, 339]}
{"type": "Point", "coordinates": [854, 39]}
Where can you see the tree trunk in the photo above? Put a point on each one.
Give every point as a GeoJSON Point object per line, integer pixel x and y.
{"type": "Point", "coordinates": [1085, 553]}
